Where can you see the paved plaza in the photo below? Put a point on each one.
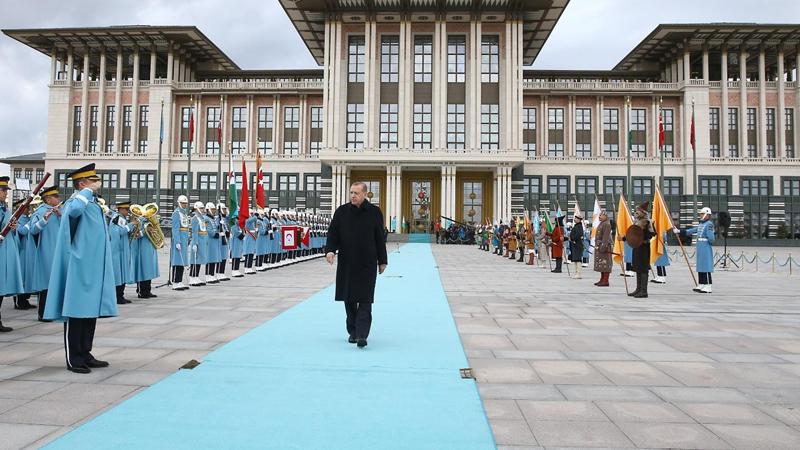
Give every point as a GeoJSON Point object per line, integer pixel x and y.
{"type": "Point", "coordinates": [558, 362]}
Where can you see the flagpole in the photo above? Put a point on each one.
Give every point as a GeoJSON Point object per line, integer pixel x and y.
{"type": "Point", "coordinates": [160, 146]}
{"type": "Point", "coordinates": [219, 155]}
{"type": "Point", "coordinates": [660, 142]}
{"type": "Point", "coordinates": [191, 145]}
{"type": "Point", "coordinates": [628, 120]}
{"type": "Point", "coordinates": [694, 164]}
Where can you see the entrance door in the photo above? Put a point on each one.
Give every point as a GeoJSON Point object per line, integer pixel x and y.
{"type": "Point", "coordinates": [421, 206]}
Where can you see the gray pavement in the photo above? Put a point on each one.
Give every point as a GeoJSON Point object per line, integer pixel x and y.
{"type": "Point", "coordinates": [559, 363]}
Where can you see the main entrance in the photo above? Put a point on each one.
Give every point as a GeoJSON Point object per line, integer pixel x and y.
{"type": "Point", "coordinates": [421, 206]}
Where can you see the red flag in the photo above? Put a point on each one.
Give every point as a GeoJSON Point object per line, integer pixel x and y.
{"type": "Point", "coordinates": [244, 200]}
{"type": "Point", "coordinates": [259, 182]}
{"type": "Point", "coordinates": [691, 136]}
{"type": "Point", "coordinates": [660, 129]}
{"type": "Point", "coordinates": [306, 240]}
{"type": "Point", "coordinates": [191, 126]}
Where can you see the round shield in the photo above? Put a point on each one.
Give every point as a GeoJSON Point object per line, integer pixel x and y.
{"type": "Point", "coordinates": [634, 236]}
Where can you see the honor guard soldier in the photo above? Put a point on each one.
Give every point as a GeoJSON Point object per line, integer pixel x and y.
{"type": "Point", "coordinates": [213, 243]}
{"type": "Point", "coordinates": [576, 236]}
{"type": "Point", "coordinates": [237, 248]}
{"type": "Point", "coordinates": [179, 250]}
{"type": "Point", "coordinates": [44, 227]}
{"type": "Point", "coordinates": [121, 232]}
{"type": "Point", "coordinates": [81, 287]}
{"type": "Point", "coordinates": [27, 257]}
{"type": "Point", "coordinates": [705, 249]}
{"type": "Point", "coordinates": [557, 243]}
{"type": "Point", "coordinates": [262, 240]}
{"type": "Point", "coordinates": [251, 225]}
{"type": "Point", "coordinates": [224, 240]}
{"type": "Point", "coordinates": [274, 236]}
{"type": "Point", "coordinates": [198, 248]}
{"type": "Point", "coordinates": [10, 269]}
{"type": "Point", "coordinates": [662, 262]}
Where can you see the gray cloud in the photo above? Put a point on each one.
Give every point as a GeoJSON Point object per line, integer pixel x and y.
{"type": "Point", "coordinates": [592, 34]}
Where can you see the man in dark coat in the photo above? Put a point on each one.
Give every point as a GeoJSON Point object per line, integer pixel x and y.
{"type": "Point", "coordinates": [576, 245]}
{"type": "Point", "coordinates": [357, 233]}
{"type": "Point", "coordinates": [641, 254]}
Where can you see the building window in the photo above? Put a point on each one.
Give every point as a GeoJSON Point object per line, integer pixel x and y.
{"type": "Point", "coordinates": [490, 127]}
{"type": "Point", "coordinates": [610, 150]}
{"type": "Point", "coordinates": [239, 130]}
{"type": "Point", "coordinates": [356, 59]}
{"type": "Point", "coordinates": [316, 117]}
{"type": "Point", "coordinates": [673, 186]}
{"type": "Point", "coordinates": [388, 126]}
{"type": "Point", "coordinates": [733, 128]}
{"type": "Point", "coordinates": [456, 59]}
{"type": "Point", "coordinates": [555, 119]}
{"type": "Point", "coordinates": [207, 181]}
{"type": "Point", "coordinates": [144, 125]}
{"type": "Point", "coordinates": [558, 185]}
{"type": "Point", "coordinates": [638, 124]}
{"type": "Point", "coordinates": [39, 175]}
{"type": "Point", "coordinates": [668, 117]}
{"type": "Point", "coordinates": [186, 117]}
{"type": "Point", "coordinates": [76, 129]}
{"type": "Point", "coordinates": [110, 179]}
{"type": "Point", "coordinates": [313, 185]}
{"type": "Point", "coordinates": [614, 185]}
{"type": "Point", "coordinates": [29, 174]}
{"type": "Point", "coordinates": [144, 115]}
{"type": "Point", "coordinates": [126, 146]}
{"type": "Point", "coordinates": [586, 185]}
{"type": "Point", "coordinates": [583, 119]}
{"type": "Point", "coordinates": [714, 150]}
{"type": "Point", "coordinates": [316, 130]}
{"type": "Point", "coordinates": [455, 126]}
{"type": "Point", "coordinates": [110, 121]}
{"type": "Point", "coordinates": [755, 186]}
{"type": "Point", "coordinates": [355, 125]}
{"type": "Point", "coordinates": [265, 129]}
{"type": "Point", "coordinates": [180, 181]}
{"type": "Point", "coordinates": [17, 174]}
{"type": "Point", "coordinates": [713, 119]}
{"type": "Point", "coordinates": [291, 117]}
{"type": "Point", "coordinates": [529, 131]}
{"type": "Point", "coordinates": [390, 58]}
{"type": "Point", "coordinates": [212, 129]}
{"type": "Point", "coordinates": [423, 59]}
{"type": "Point", "coordinates": [555, 122]}
{"type": "Point", "coordinates": [127, 116]}
{"type": "Point", "coordinates": [752, 150]}
{"type": "Point", "coordinates": [583, 127]}
{"type": "Point", "coordinates": [287, 191]}
{"type": "Point", "coordinates": [751, 119]}
{"type": "Point", "coordinates": [141, 180]}
{"type": "Point", "coordinates": [789, 130]}
{"type": "Point", "coordinates": [714, 186]}
{"type": "Point", "coordinates": [791, 187]}
{"type": "Point", "coordinates": [642, 186]}
{"type": "Point", "coordinates": [422, 126]}
{"type": "Point", "coordinates": [610, 119]}
{"type": "Point", "coordinates": [78, 116]}
{"type": "Point", "coordinates": [532, 185]}
{"type": "Point", "coordinates": [490, 59]}
{"type": "Point", "coordinates": [291, 125]}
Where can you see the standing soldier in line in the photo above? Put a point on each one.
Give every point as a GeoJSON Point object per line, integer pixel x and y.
{"type": "Point", "coordinates": [542, 243]}
{"type": "Point", "coordinates": [237, 248]}
{"type": "Point", "coordinates": [262, 240]}
{"type": "Point", "coordinates": [274, 238]}
{"type": "Point", "coordinates": [212, 246]}
{"type": "Point", "coordinates": [145, 260]}
{"type": "Point", "coordinates": [198, 248]}
{"type": "Point", "coordinates": [81, 288]}
{"type": "Point", "coordinates": [576, 245]}
{"type": "Point", "coordinates": [179, 250]}
{"type": "Point", "coordinates": [27, 258]}
{"type": "Point", "coordinates": [557, 243]}
{"type": "Point", "coordinates": [44, 226]}
{"type": "Point", "coordinates": [662, 262]}
{"type": "Point", "coordinates": [603, 249]}
{"type": "Point", "coordinates": [120, 231]}
{"type": "Point", "coordinates": [224, 240]}
{"type": "Point", "coordinates": [705, 249]}
{"type": "Point", "coordinates": [10, 269]}
{"type": "Point", "coordinates": [250, 231]}
{"type": "Point", "coordinates": [641, 254]}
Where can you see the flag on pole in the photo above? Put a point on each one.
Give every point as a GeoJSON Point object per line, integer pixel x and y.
{"type": "Point", "coordinates": [191, 127]}
{"type": "Point", "coordinates": [662, 222]}
{"type": "Point", "coordinates": [548, 225]}
{"type": "Point", "coordinates": [559, 213]}
{"type": "Point", "coordinates": [660, 128]}
{"type": "Point", "coordinates": [244, 200]}
{"type": "Point", "coordinates": [595, 217]}
{"type": "Point", "coordinates": [624, 221]}
{"type": "Point", "coordinates": [577, 211]}
{"type": "Point", "coordinates": [233, 201]}
{"type": "Point", "coordinates": [691, 135]}
{"type": "Point", "coordinates": [259, 182]}
{"type": "Point", "coordinates": [161, 125]}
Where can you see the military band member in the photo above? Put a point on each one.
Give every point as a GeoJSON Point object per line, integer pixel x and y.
{"type": "Point", "coordinates": [224, 240]}
{"type": "Point", "coordinates": [179, 248]}
{"type": "Point", "coordinates": [198, 248]}
{"type": "Point", "coordinates": [603, 249]}
{"type": "Point", "coordinates": [145, 260]}
{"type": "Point", "coordinates": [262, 240]}
{"type": "Point", "coordinates": [27, 258]}
{"type": "Point", "coordinates": [122, 232]}
{"type": "Point", "coordinates": [10, 269]}
{"type": "Point", "coordinates": [705, 249]}
{"type": "Point", "coordinates": [641, 254]}
{"type": "Point", "coordinates": [557, 243]}
{"type": "Point", "coordinates": [576, 236]}
{"type": "Point", "coordinates": [44, 227]}
{"type": "Point", "coordinates": [81, 287]}
{"type": "Point", "coordinates": [274, 238]}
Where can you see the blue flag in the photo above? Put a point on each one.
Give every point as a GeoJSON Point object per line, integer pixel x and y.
{"type": "Point", "coordinates": [161, 127]}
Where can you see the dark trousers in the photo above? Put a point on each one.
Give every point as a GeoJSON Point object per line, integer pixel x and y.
{"type": "Point", "coordinates": [144, 288]}
{"type": "Point", "coordinates": [120, 292]}
{"type": "Point", "coordinates": [661, 271]}
{"type": "Point", "coordinates": [21, 300]}
{"type": "Point", "coordinates": [40, 304]}
{"type": "Point", "coordinates": [559, 261]}
{"type": "Point", "coordinates": [235, 263]}
{"type": "Point", "coordinates": [194, 270]}
{"type": "Point", "coordinates": [210, 269]}
{"type": "Point", "coordinates": [221, 266]}
{"type": "Point", "coordinates": [78, 338]}
{"type": "Point", "coordinates": [177, 274]}
{"type": "Point", "coordinates": [359, 318]}
{"type": "Point", "coordinates": [705, 277]}
{"type": "Point", "coordinates": [248, 260]}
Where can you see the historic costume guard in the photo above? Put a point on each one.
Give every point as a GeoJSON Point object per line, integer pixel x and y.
{"type": "Point", "coordinates": [179, 248]}
{"type": "Point", "coordinates": [603, 249]}
{"type": "Point", "coordinates": [10, 269]}
{"type": "Point", "coordinates": [705, 249]}
{"type": "Point", "coordinates": [557, 243]}
{"type": "Point", "coordinates": [44, 227]}
{"type": "Point", "coordinates": [121, 232]}
{"type": "Point", "coordinates": [542, 243]}
{"type": "Point", "coordinates": [642, 230]}
{"type": "Point", "coordinates": [576, 236]}
{"type": "Point", "coordinates": [81, 285]}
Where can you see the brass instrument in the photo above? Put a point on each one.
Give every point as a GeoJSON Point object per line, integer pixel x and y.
{"type": "Point", "coordinates": [151, 228]}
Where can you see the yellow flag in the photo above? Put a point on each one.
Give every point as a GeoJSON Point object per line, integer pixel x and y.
{"type": "Point", "coordinates": [662, 222]}
{"type": "Point", "coordinates": [624, 221]}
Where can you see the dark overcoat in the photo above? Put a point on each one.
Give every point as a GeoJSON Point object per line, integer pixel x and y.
{"type": "Point", "coordinates": [576, 243]}
{"type": "Point", "coordinates": [603, 247]}
{"type": "Point", "coordinates": [641, 255]}
{"type": "Point", "coordinates": [356, 233]}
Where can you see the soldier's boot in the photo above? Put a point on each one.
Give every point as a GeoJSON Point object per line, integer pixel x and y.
{"type": "Point", "coordinates": [638, 285]}
{"type": "Point", "coordinates": [643, 286]}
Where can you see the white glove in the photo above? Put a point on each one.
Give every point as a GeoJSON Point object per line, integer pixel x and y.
{"type": "Point", "coordinates": [194, 249]}
{"type": "Point", "coordinates": [2, 238]}
{"type": "Point", "coordinates": [178, 246]}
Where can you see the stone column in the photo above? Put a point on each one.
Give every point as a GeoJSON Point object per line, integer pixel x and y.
{"type": "Point", "coordinates": [654, 120]}
{"type": "Point", "coordinates": [705, 64]}
{"type": "Point", "coordinates": [101, 102]}
{"type": "Point", "coordinates": [762, 103]}
{"type": "Point", "coordinates": [70, 67]}
{"type": "Point", "coordinates": [153, 63]}
{"type": "Point", "coordinates": [53, 66]}
{"type": "Point", "coordinates": [796, 125]}
{"type": "Point", "coordinates": [135, 103]}
{"type": "Point", "coordinates": [303, 140]}
{"type": "Point", "coordinates": [599, 127]}
{"type": "Point", "coordinates": [780, 114]}
{"type": "Point", "coordinates": [251, 117]}
{"type": "Point", "coordinates": [723, 114]}
{"type": "Point", "coordinates": [743, 102]}
{"type": "Point", "coordinates": [118, 102]}
{"type": "Point", "coordinates": [85, 101]}
{"type": "Point", "coordinates": [403, 90]}
{"type": "Point", "coordinates": [687, 66]}
{"type": "Point", "coordinates": [369, 58]}
{"type": "Point", "coordinates": [441, 92]}
{"type": "Point", "coordinates": [543, 121]}
{"type": "Point", "coordinates": [277, 126]}
{"type": "Point", "coordinates": [170, 63]}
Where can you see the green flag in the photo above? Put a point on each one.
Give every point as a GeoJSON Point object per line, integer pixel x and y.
{"type": "Point", "coordinates": [233, 200]}
{"type": "Point", "coordinates": [547, 223]}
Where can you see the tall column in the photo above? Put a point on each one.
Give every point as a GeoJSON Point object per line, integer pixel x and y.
{"type": "Point", "coordinates": [118, 102]}
{"type": "Point", "coordinates": [388, 208]}
{"type": "Point", "coordinates": [276, 109]}
{"type": "Point", "coordinates": [443, 195]}
{"type": "Point", "coordinates": [569, 127]}
{"type": "Point", "coordinates": [70, 67]}
{"type": "Point", "coordinates": [441, 92]}
{"type": "Point", "coordinates": [543, 125]}
{"type": "Point", "coordinates": [687, 64]}
{"type": "Point", "coordinates": [403, 91]}
{"type": "Point", "coordinates": [723, 114]}
{"type": "Point", "coordinates": [683, 137]}
{"type": "Point", "coordinates": [326, 76]}
{"type": "Point", "coordinates": [153, 63]}
{"type": "Point", "coordinates": [101, 101]}
{"type": "Point", "coordinates": [399, 194]}
{"type": "Point", "coordinates": [334, 187]}
{"type": "Point", "coordinates": [598, 125]}
{"type": "Point", "coordinates": [762, 103]}
{"type": "Point", "coordinates": [53, 65]}
{"type": "Point", "coordinates": [743, 102]}
{"type": "Point", "coordinates": [654, 118]}
{"type": "Point", "coordinates": [623, 121]}
{"type": "Point", "coordinates": [85, 100]}
{"type": "Point", "coordinates": [475, 93]}
{"type": "Point", "coordinates": [780, 114]}
{"type": "Point", "coordinates": [135, 102]}
{"type": "Point", "coordinates": [673, 71]}
{"type": "Point", "coordinates": [249, 133]}
{"type": "Point", "coordinates": [705, 64]}
{"type": "Point", "coordinates": [303, 140]}
{"type": "Point", "coordinates": [796, 125]}
{"type": "Point", "coordinates": [453, 190]}
{"type": "Point", "coordinates": [170, 63]}
{"type": "Point", "coordinates": [369, 63]}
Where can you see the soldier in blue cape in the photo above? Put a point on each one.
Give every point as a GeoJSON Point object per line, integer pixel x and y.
{"type": "Point", "coordinates": [120, 230]}
{"type": "Point", "coordinates": [224, 240]}
{"type": "Point", "coordinates": [262, 240]}
{"type": "Point", "coordinates": [145, 260]}
{"type": "Point", "coordinates": [27, 258]}
{"type": "Point", "coordinates": [251, 227]}
{"type": "Point", "coordinates": [10, 269]}
{"type": "Point", "coordinates": [662, 262]}
{"type": "Point", "coordinates": [274, 238]}
{"type": "Point", "coordinates": [705, 249]}
{"type": "Point", "coordinates": [198, 247]}
{"type": "Point", "coordinates": [81, 287]}
{"type": "Point", "coordinates": [179, 246]}
{"type": "Point", "coordinates": [212, 245]}
{"type": "Point", "coordinates": [44, 226]}
{"type": "Point", "coordinates": [237, 248]}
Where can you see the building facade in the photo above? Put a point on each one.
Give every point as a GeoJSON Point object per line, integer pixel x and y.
{"type": "Point", "coordinates": [429, 103]}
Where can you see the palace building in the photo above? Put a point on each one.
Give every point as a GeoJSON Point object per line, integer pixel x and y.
{"type": "Point", "coordinates": [429, 102]}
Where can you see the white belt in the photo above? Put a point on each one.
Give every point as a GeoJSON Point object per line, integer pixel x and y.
{"type": "Point", "coordinates": [702, 240]}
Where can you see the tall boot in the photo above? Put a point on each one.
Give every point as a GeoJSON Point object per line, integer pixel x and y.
{"type": "Point", "coordinates": [638, 285]}
{"type": "Point", "coordinates": [558, 266]}
{"type": "Point", "coordinates": [41, 305]}
{"type": "Point", "coordinates": [603, 279]}
{"type": "Point", "coordinates": [642, 285]}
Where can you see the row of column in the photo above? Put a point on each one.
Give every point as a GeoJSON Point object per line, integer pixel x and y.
{"type": "Point", "coordinates": [394, 196]}
{"type": "Point", "coordinates": [502, 193]}
{"type": "Point", "coordinates": [448, 191]}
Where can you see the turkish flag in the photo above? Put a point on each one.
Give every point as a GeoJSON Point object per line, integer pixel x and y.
{"type": "Point", "coordinates": [306, 240]}
{"type": "Point", "coordinates": [244, 200]}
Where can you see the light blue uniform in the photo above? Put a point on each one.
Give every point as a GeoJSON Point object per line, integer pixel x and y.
{"type": "Point", "coordinates": [199, 250]}
{"type": "Point", "coordinates": [587, 242]}
{"type": "Point", "coordinates": [274, 236]}
{"type": "Point", "coordinates": [224, 238]}
{"type": "Point", "coordinates": [663, 260]}
{"type": "Point", "coordinates": [119, 229]}
{"type": "Point", "coordinates": [236, 244]}
{"type": "Point", "coordinates": [27, 254]}
{"type": "Point", "coordinates": [262, 241]}
{"type": "Point", "coordinates": [145, 257]}
{"type": "Point", "coordinates": [628, 253]}
{"type": "Point", "coordinates": [213, 240]}
{"type": "Point", "coordinates": [46, 232]}
{"type": "Point", "coordinates": [249, 241]}
{"type": "Point", "coordinates": [705, 245]}
{"type": "Point", "coordinates": [82, 279]}
{"type": "Point", "coordinates": [180, 235]}
{"type": "Point", "coordinates": [10, 268]}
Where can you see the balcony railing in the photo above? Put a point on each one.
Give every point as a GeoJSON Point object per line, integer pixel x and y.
{"type": "Point", "coordinates": [599, 85]}
{"type": "Point", "coordinates": [249, 85]}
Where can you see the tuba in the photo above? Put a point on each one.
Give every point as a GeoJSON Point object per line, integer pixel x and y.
{"type": "Point", "coordinates": [152, 227]}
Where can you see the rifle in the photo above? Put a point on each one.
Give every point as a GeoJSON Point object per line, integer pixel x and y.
{"type": "Point", "coordinates": [22, 207]}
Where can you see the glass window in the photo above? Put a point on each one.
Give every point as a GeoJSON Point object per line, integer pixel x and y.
{"type": "Point", "coordinates": [668, 117]}
{"type": "Point", "coordinates": [490, 59]}
{"type": "Point", "coordinates": [532, 185]}
{"type": "Point", "coordinates": [642, 186]}
{"type": "Point", "coordinates": [755, 186]}
{"type": "Point", "coordinates": [141, 180]}
{"type": "Point", "coordinates": [558, 185]}
{"type": "Point", "coordinates": [733, 118]}
{"type": "Point", "coordinates": [490, 127]}
{"type": "Point", "coordinates": [555, 119]}
{"type": "Point", "coordinates": [610, 119]}
{"type": "Point", "coordinates": [39, 175]}
{"type": "Point", "coordinates": [713, 119]}
{"type": "Point", "coordinates": [388, 126]}
{"type": "Point", "coordinates": [186, 117]}
{"type": "Point", "coordinates": [94, 112]}
{"type": "Point", "coordinates": [791, 187]}
{"type": "Point", "coordinates": [239, 134]}
{"type": "Point", "coordinates": [529, 124]}
{"type": "Point", "coordinates": [144, 116]}
{"type": "Point", "coordinates": [390, 58]}
{"type": "Point", "coordinates": [638, 123]}
{"type": "Point", "coordinates": [422, 125]}
{"type": "Point", "coordinates": [316, 117]}
{"type": "Point", "coordinates": [751, 119]}
{"type": "Point", "coordinates": [586, 185]}
{"type": "Point", "coordinates": [455, 126]}
{"type": "Point", "coordinates": [180, 181]}
{"type": "Point", "coordinates": [583, 119]}
{"type": "Point", "coordinates": [77, 116]}
{"type": "Point", "coordinates": [127, 116]}
{"type": "Point", "coordinates": [673, 186]}
{"type": "Point", "coordinates": [529, 118]}
{"type": "Point", "coordinates": [770, 119]}
{"type": "Point", "coordinates": [265, 118]}
{"type": "Point", "coordinates": [713, 186]}
{"type": "Point", "coordinates": [456, 59]}
{"type": "Point", "coordinates": [472, 194]}
{"type": "Point", "coordinates": [423, 59]}
{"type": "Point", "coordinates": [287, 183]}
{"type": "Point", "coordinates": [355, 125]}
{"type": "Point", "coordinates": [291, 117]}
{"type": "Point", "coordinates": [212, 123]}
{"type": "Point", "coordinates": [110, 178]}
{"type": "Point", "coordinates": [207, 181]}
{"type": "Point", "coordinates": [614, 185]}
{"type": "Point", "coordinates": [356, 59]}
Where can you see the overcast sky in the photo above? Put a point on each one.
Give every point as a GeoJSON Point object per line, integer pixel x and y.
{"type": "Point", "coordinates": [592, 34]}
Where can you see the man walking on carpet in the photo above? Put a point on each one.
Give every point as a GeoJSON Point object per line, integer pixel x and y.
{"type": "Point", "coordinates": [356, 233]}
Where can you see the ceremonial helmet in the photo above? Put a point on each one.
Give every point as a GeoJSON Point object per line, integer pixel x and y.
{"type": "Point", "coordinates": [198, 206]}
{"type": "Point", "coordinates": [705, 211]}
{"type": "Point", "coordinates": [221, 206]}
{"type": "Point", "coordinates": [210, 206]}
{"type": "Point", "coordinates": [182, 199]}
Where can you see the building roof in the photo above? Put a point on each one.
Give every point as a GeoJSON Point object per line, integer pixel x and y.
{"type": "Point", "coordinates": [31, 157]}
{"type": "Point", "coordinates": [188, 38]}
{"type": "Point", "coordinates": [539, 16]}
{"type": "Point", "coordinates": [661, 43]}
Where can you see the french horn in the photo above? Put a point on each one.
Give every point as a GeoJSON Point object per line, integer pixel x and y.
{"type": "Point", "coordinates": [148, 213]}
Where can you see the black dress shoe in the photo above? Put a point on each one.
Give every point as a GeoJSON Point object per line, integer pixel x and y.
{"type": "Point", "coordinates": [5, 329]}
{"type": "Point", "coordinates": [96, 363]}
{"type": "Point", "coordinates": [81, 369]}
{"type": "Point", "coordinates": [44, 320]}
{"type": "Point", "coordinates": [361, 342]}
{"type": "Point", "coordinates": [23, 306]}
{"type": "Point", "coordinates": [352, 339]}
{"type": "Point", "coordinates": [123, 301]}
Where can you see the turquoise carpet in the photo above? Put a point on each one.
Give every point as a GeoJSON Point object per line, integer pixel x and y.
{"type": "Point", "coordinates": [295, 383]}
{"type": "Point", "coordinates": [419, 238]}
